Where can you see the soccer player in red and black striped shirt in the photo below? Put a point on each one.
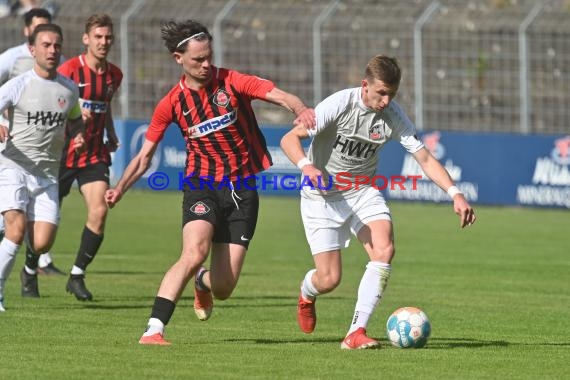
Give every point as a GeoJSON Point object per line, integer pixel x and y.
{"type": "Point", "coordinates": [212, 108]}
{"type": "Point", "coordinates": [98, 80]}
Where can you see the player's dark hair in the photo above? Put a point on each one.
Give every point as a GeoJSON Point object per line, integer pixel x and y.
{"type": "Point", "coordinates": [44, 28]}
{"type": "Point", "coordinates": [36, 12]}
{"type": "Point", "coordinates": [385, 69]}
{"type": "Point", "coordinates": [176, 35]}
{"type": "Point", "coordinates": [98, 21]}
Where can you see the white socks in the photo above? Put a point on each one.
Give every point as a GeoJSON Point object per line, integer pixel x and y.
{"type": "Point", "coordinates": [308, 290]}
{"type": "Point", "coordinates": [8, 250]}
{"type": "Point", "coordinates": [372, 286]}
{"type": "Point", "coordinates": [45, 260]}
{"type": "Point", "coordinates": [75, 270]}
{"type": "Point", "coordinates": [154, 326]}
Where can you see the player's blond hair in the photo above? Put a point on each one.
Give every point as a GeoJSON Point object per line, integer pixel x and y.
{"type": "Point", "coordinates": [98, 21]}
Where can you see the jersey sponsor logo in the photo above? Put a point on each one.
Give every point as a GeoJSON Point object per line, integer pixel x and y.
{"type": "Point", "coordinates": [354, 148]}
{"type": "Point", "coordinates": [61, 101]}
{"type": "Point", "coordinates": [375, 131]}
{"type": "Point", "coordinates": [199, 208]}
{"type": "Point", "coordinates": [96, 106]}
{"type": "Point", "coordinates": [212, 125]}
{"type": "Point", "coordinates": [221, 98]}
{"type": "Point", "coordinates": [41, 118]}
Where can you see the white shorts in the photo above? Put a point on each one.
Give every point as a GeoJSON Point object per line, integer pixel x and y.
{"type": "Point", "coordinates": [36, 196]}
{"type": "Point", "coordinates": [328, 224]}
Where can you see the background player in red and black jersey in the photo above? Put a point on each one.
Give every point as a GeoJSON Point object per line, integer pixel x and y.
{"type": "Point", "coordinates": [98, 80]}
{"type": "Point", "coordinates": [212, 108]}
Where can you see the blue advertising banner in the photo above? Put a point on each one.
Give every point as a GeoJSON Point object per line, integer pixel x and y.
{"type": "Point", "coordinates": [496, 169]}
{"type": "Point", "coordinates": [500, 169]}
{"type": "Point", "coordinates": [167, 164]}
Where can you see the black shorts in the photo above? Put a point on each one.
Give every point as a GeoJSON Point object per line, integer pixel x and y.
{"type": "Point", "coordinates": [233, 213]}
{"type": "Point", "coordinates": [87, 174]}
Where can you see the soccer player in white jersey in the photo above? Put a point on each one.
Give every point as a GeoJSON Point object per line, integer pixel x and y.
{"type": "Point", "coordinates": [13, 62]}
{"type": "Point", "coordinates": [352, 126]}
{"type": "Point", "coordinates": [18, 59]}
{"type": "Point", "coordinates": [40, 102]}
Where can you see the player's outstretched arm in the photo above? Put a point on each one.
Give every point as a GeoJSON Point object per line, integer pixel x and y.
{"type": "Point", "coordinates": [304, 115]}
{"type": "Point", "coordinates": [437, 173]}
{"type": "Point", "coordinates": [135, 169]}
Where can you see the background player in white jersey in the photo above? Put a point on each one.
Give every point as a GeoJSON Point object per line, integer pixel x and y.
{"type": "Point", "coordinates": [18, 59]}
{"type": "Point", "coordinates": [352, 127]}
{"type": "Point", "coordinates": [39, 102]}
{"type": "Point", "coordinates": [13, 62]}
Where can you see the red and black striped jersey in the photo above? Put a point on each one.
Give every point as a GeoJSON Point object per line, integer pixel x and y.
{"type": "Point", "coordinates": [95, 94]}
{"type": "Point", "coordinates": [223, 139]}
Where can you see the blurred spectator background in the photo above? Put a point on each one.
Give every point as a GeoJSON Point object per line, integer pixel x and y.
{"type": "Point", "coordinates": [469, 65]}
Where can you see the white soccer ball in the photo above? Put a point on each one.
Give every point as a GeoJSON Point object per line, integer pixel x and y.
{"type": "Point", "coordinates": [408, 327]}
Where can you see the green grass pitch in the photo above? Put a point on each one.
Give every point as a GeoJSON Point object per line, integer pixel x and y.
{"type": "Point", "coordinates": [497, 294]}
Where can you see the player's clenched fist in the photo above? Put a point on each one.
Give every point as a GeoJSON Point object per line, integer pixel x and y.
{"type": "Point", "coordinates": [79, 143]}
{"type": "Point", "coordinates": [112, 197]}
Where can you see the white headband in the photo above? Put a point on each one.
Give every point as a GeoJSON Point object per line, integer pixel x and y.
{"type": "Point", "coordinates": [194, 36]}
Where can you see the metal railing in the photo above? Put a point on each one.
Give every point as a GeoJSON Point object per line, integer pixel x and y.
{"type": "Point", "coordinates": [475, 65]}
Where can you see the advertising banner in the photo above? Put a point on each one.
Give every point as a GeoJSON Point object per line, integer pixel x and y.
{"type": "Point", "coordinates": [495, 169]}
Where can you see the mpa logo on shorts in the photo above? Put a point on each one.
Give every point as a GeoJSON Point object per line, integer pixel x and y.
{"type": "Point", "coordinates": [200, 208]}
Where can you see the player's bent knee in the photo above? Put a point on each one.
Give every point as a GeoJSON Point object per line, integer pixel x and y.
{"type": "Point", "coordinates": [191, 263]}
{"type": "Point", "coordinates": [98, 213]}
{"type": "Point", "coordinates": [328, 283]}
{"type": "Point", "coordinates": [15, 237]}
{"type": "Point", "coordinates": [383, 254]}
{"type": "Point", "coordinates": [222, 293]}
{"type": "Point", "coordinates": [41, 247]}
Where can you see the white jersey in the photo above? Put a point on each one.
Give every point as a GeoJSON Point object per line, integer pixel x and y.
{"type": "Point", "coordinates": [15, 61]}
{"type": "Point", "coordinates": [38, 112]}
{"type": "Point", "coordinates": [349, 135]}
